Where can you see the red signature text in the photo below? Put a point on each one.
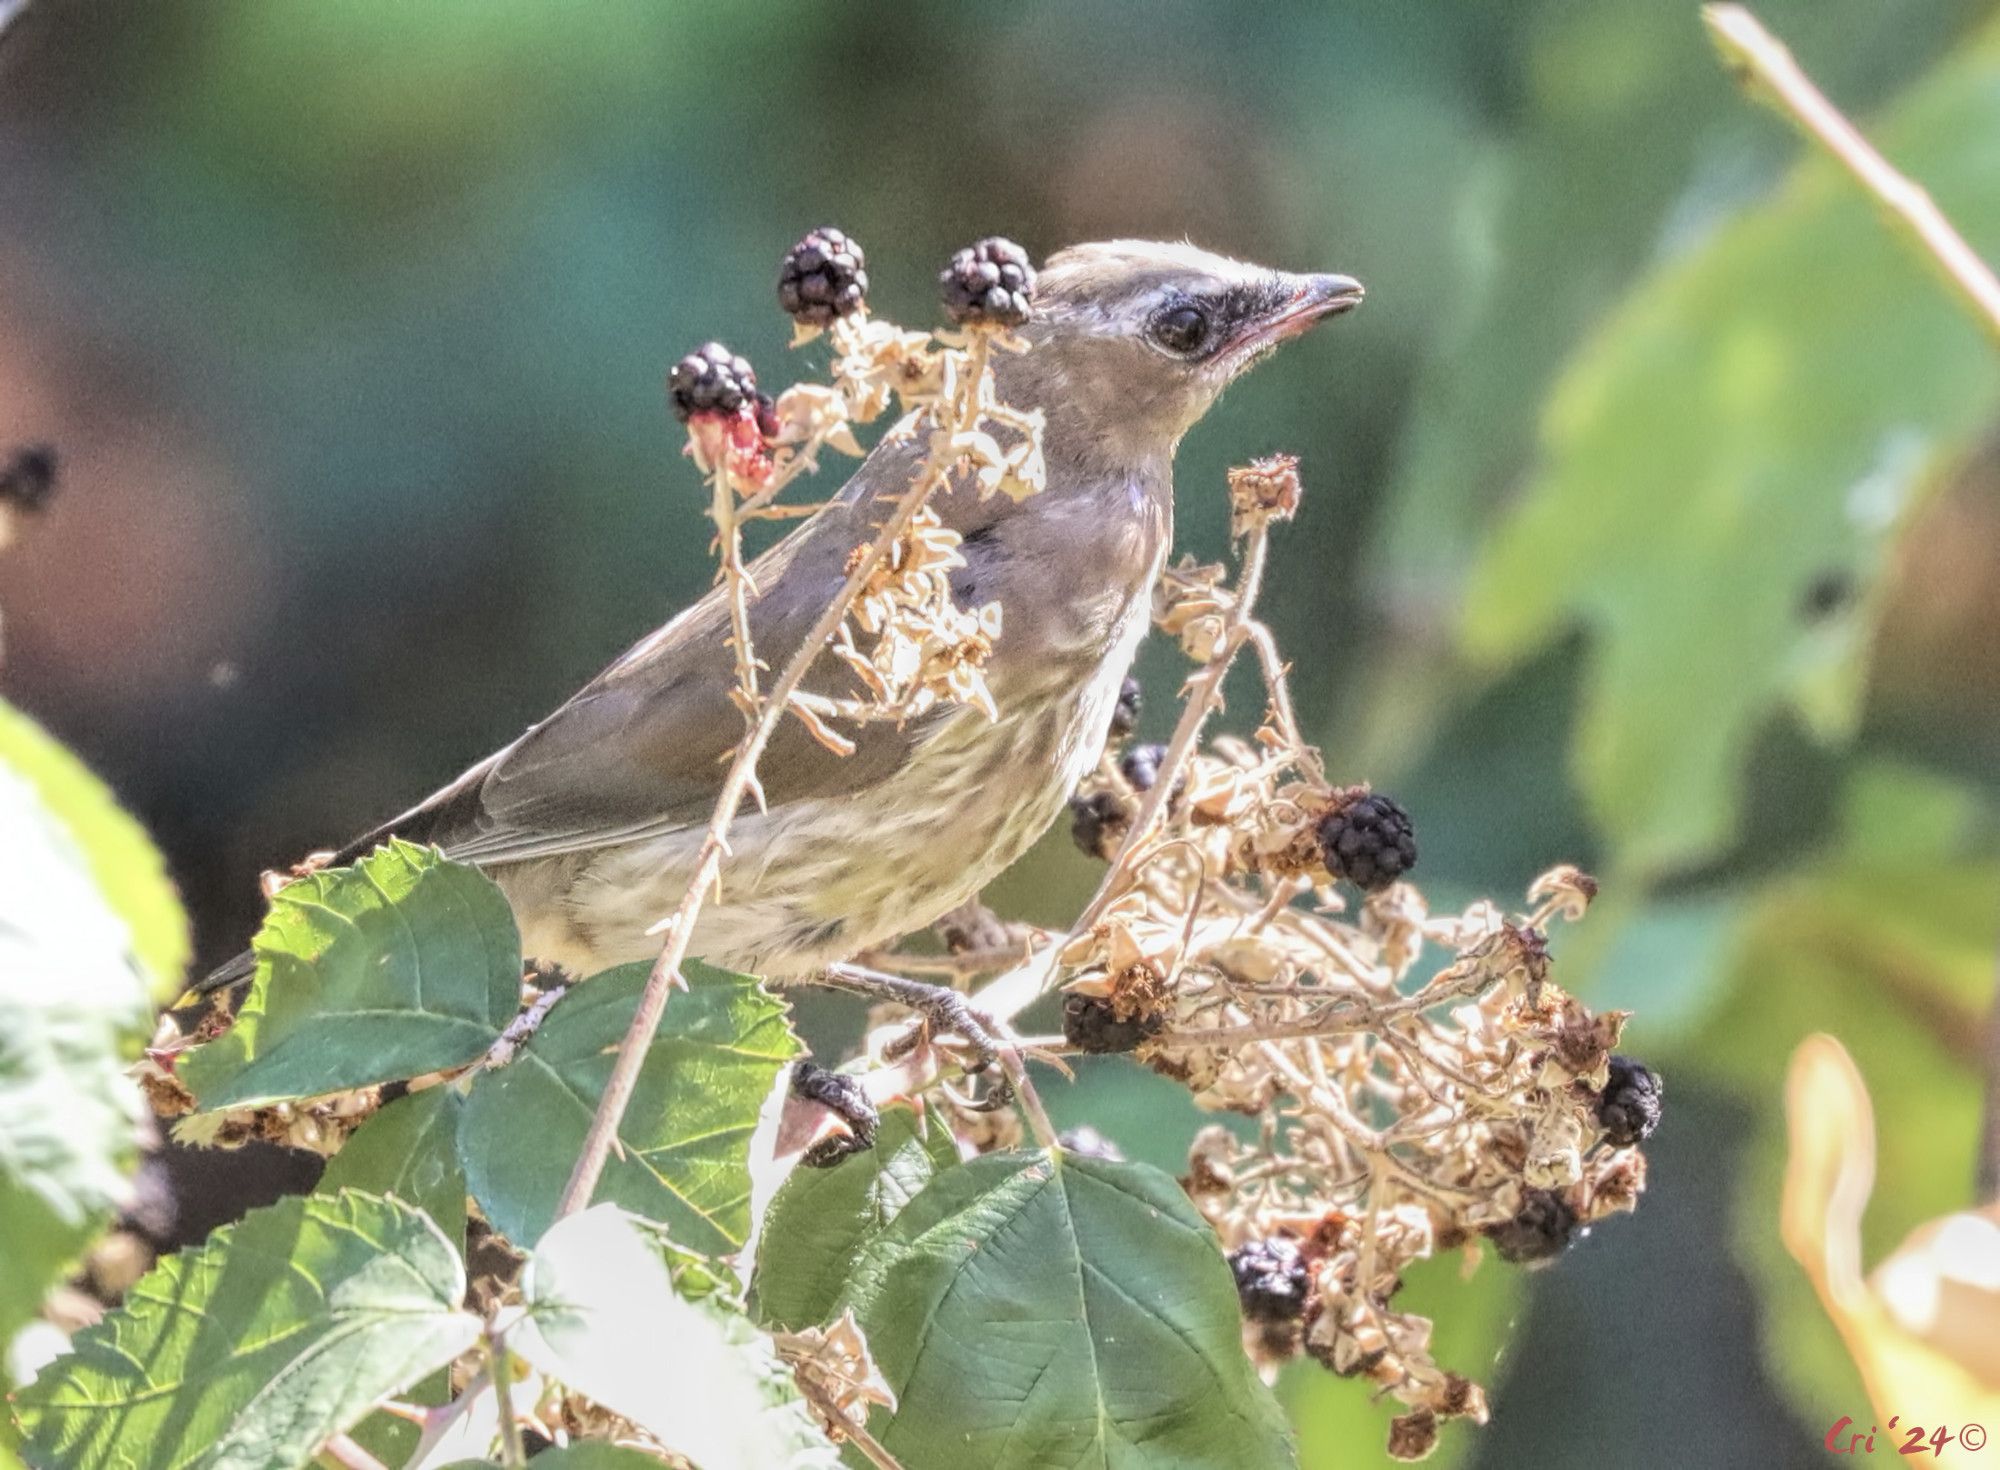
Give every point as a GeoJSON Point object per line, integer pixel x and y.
{"type": "Point", "coordinates": [1904, 1439]}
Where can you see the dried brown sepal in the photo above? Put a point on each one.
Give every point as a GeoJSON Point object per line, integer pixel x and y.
{"type": "Point", "coordinates": [1264, 490]}
{"type": "Point", "coordinates": [1413, 1436]}
{"type": "Point", "coordinates": [836, 1375]}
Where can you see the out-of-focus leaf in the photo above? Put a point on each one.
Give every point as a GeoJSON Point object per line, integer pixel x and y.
{"type": "Point", "coordinates": [73, 994]}
{"type": "Point", "coordinates": [403, 964]}
{"type": "Point", "coordinates": [1887, 946]}
{"type": "Point", "coordinates": [821, 1219]}
{"type": "Point", "coordinates": [1924, 1330]}
{"type": "Point", "coordinates": [1029, 1310]}
{"type": "Point", "coordinates": [129, 870]}
{"type": "Point", "coordinates": [603, 1317]}
{"type": "Point", "coordinates": [683, 1151]}
{"type": "Point", "coordinates": [409, 1150]}
{"type": "Point", "coordinates": [252, 1350]}
{"type": "Point", "coordinates": [1756, 423]}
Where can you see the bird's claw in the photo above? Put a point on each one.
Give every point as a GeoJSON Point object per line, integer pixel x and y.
{"type": "Point", "coordinates": [844, 1098]}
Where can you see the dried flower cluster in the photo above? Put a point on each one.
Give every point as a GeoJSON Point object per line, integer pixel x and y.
{"type": "Point", "coordinates": [1421, 1081]}
{"type": "Point", "coordinates": [909, 644]}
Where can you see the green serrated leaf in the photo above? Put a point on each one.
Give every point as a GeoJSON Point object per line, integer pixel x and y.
{"type": "Point", "coordinates": [74, 996]}
{"type": "Point", "coordinates": [1028, 1312]}
{"type": "Point", "coordinates": [594, 1286]}
{"type": "Point", "coordinates": [403, 964]}
{"type": "Point", "coordinates": [1760, 419]}
{"type": "Point", "coordinates": [684, 1159]}
{"type": "Point", "coordinates": [409, 1150]}
{"type": "Point", "coordinates": [822, 1218]}
{"type": "Point", "coordinates": [252, 1350]}
{"type": "Point", "coordinates": [129, 870]}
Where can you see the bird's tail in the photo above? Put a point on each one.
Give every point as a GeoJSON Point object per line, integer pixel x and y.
{"type": "Point", "coordinates": [232, 972]}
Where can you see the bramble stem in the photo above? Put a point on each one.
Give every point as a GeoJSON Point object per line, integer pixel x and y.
{"type": "Point", "coordinates": [513, 1453]}
{"type": "Point", "coordinates": [729, 541]}
{"type": "Point", "coordinates": [1988, 1177]}
{"type": "Point", "coordinates": [679, 928]}
{"type": "Point", "coordinates": [1772, 76]}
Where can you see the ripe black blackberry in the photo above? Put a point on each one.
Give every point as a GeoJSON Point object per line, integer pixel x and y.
{"type": "Point", "coordinates": [711, 379]}
{"type": "Point", "coordinates": [1541, 1231]}
{"type": "Point", "coordinates": [1141, 765]}
{"type": "Point", "coordinates": [1629, 1106]}
{"type": "Point", "coordinates": [988, 284]}
{"type": "Point", "coordinates": [1092, 1024]}
{"type": "Point", "coordinates": [823, 277]}
{"type": "Point", "coordinates": [28, 477]}
{"type": "Point", "coordinates": [1097, 823]}
{"type": "Point", "coordinates": [1125, 715]}
{"type": "Point", "coordinates": [1271, 1280]}
{"type": "Point", "coordinates": [1368, 840]}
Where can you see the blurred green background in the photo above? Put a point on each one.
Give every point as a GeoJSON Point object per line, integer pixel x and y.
{"type": "Point", "coordinates": [1653, 512]}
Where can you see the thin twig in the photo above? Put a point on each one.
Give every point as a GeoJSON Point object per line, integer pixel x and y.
{"type": "Point", "coordinates": [871, 1448]}
{"type": "Point", "coordinates": [513, 1452]}
{"type": "Point", "coordinates": [1989, 1132]}
{"type": "Point", "coordinates": [1772, 76]}
{"type": "Point", "coordinates": [736, 582]}
{"type": "Point", "coordinates": [679, 927]}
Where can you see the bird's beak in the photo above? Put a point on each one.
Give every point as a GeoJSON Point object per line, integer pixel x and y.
{"type": "Point", "coordinates": [1314, 299]}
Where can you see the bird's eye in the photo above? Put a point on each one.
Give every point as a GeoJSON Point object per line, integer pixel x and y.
{"type": "Point", "coordinates": [1181, 329]}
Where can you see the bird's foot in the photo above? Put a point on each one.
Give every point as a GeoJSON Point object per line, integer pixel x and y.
{"type": "Point", "coordinates": [844, 1097]}
{"type": "Point", "coordinates": [942, 1012]}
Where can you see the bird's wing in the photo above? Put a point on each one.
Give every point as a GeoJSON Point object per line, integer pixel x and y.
{"type": "Point", "coordinates": [644, 747]}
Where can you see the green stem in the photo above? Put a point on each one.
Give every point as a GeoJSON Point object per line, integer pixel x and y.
{"type": "Point", "coordinates": [513, 1453]}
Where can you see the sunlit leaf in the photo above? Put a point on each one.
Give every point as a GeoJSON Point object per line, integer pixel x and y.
{"type": "Point", "coordinates": [253, 1349]}
{"type": "Point", "coordinates": [683, 1151]}
{"type": "Point", "coordinates": [403, 964]}
{"type": "Point", "coordinates": [1924, 1329]}
{"type": "Point", "coordinates": [1031, 1312]}
{"type": "Point", "coordinates": [128, 868]}
{"type": "Point", "coordinates": [1758, 422]}
{"type": "Point", "coordinates": [73, 993]}
{"type": "Point", "coordinates": [603, 1318]}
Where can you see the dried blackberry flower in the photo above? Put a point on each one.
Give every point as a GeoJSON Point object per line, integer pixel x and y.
{"type": "Point", "coordinates": [1262, 491]}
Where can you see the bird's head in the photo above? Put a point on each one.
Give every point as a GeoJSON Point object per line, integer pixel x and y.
{"type": "Point", "coordinates": [1134, 340]}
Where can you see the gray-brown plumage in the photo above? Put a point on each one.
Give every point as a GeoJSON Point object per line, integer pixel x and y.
{"type": "Point", "coordinates": [590, 821]}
